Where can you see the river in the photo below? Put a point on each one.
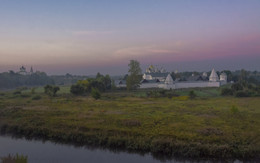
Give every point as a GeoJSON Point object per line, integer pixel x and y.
{"type": "Point", "coordinates": [49, 152]}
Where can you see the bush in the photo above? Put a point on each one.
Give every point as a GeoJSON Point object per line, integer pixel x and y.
{"type": "Point", "coordinates": [51, 90]}
{"type": "Point", "coordinates": [33, 91]}
{"type": "Point", "coordinates": [37, 97]}
{"type": "Point", "coordinates": [171, 94]}
{"type": "Point", "coordinates": [17, 92]}
{"type": "Point", "coordinates": [234, 109]}
{"type": "Point", "coordinates": [77, 89]}
{"type": "Point", "coordinates": [95, 93]}
{"type": "Point", "coordinates": [236, 87]}
{"type": "Point", "coordinates": [242, 94]}
{"type": "Point", "coordinates": [25, 95]}
{"type": "Point", "coordinates": [192, 94]}
{"type": "Point", "coordinates": [226, 92]}
{"type": "Point", "coordinates": [157, 93]}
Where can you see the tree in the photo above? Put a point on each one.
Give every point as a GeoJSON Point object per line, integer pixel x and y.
{"type": "Point", "coordinates": [135, 75]}
{"type": "Point", "coordinates": [51, 90]}
{"type": "Point", "coordinates": [226, 92]}
{"type": "Point", "coordinates": [77, 89]}
{"type": "Point", "coordinates": [95, 93]}
{"type": "Point", "coordinates": [236, 87]}
{"type": "Point", "coordinates": [99, 75]}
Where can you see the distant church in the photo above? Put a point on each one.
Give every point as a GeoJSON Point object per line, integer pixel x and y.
{"type": "Point", "coordinates": [153, 73]}
{"type": "Point", "coordinates": [24, 72]}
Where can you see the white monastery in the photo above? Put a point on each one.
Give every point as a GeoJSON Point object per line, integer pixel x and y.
{"type": "Point", "coordinates": [159, 78]}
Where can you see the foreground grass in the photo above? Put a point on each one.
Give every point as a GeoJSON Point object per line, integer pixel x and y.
{"type": "Point", "coordinates": [205, 127]}
{"type": "Point", "coordinates": [14, 159]}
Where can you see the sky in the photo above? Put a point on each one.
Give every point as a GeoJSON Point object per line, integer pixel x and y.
{"type": "Point", "coordinates": [85, 36]}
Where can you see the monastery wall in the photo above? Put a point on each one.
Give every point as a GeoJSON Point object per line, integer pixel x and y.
{"type": "Point", "coordinates": [149, 85]}
{"type": "Point", "coordinates": [196, 84]}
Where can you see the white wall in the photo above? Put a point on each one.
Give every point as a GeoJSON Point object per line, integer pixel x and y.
{"type": "Point", "coordinates": [181, 85]}
{"type": "Point", "coordinates": [196, 84]}
{"type": "Point", "coordinates": [149, 85]}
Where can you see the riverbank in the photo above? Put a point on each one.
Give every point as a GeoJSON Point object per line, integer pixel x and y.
{"type": "Point", "coordinates": [202, 128]}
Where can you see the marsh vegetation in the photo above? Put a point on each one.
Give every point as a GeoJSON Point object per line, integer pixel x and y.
{"type": "Point", "coordinates": [167, 123]}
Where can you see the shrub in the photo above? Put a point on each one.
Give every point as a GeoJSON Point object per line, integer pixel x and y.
{"type": "Point", "coordinates": [192, 94]}
{"type": "Point", "coordinates": [234, 109]}
{"type": "Point", "coordinates": [77, 89]}
{"type": "Point", "coordinates": [17, 92]}
{"type": "Point", "coordinates": [171, 94]}
{"type": "Point", "coordinates": [236, 87]}
{"type": "Point", "coordinates": [242, 94]}
{"type": "Point", "coordinates": [33, 91]}
{"type": "Point", "coordinates": [226, 92]}
{"type": "Point", "coordinates": [156, 93]}
{"type": "Point", "coordinates": [51, 90]}
{"type": "Point", "coordinates": [37, 97]}
{"type": "Point", "coordinates": [95, 93]}
{"type": "Point", "coordinates": [25, 95]}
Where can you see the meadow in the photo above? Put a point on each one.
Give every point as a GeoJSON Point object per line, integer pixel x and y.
{"type": "Point", "coordinates": [209, 126]}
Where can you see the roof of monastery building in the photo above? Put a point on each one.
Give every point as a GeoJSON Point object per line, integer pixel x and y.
{"type": "Point", "coordinates": [157, 74]}
{"type": "Point", "coordinates": [169, 79]}
{"type": "Point", "coordinates": [213, 76]}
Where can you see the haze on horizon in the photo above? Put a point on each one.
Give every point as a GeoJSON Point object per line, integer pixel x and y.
{"type": "Point", "coordinates": [86, 37]}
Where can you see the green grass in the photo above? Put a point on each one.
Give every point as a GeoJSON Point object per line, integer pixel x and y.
{"type": "Point", "coordinates": [202, 92]}
{"type": "Point", "coordinates": [208, 126]}
{"type": "Point", "coordinates": [63, 90]}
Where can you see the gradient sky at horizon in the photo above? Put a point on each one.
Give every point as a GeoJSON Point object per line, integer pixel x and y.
{"type": "Point", "coordinates": [84, 36]}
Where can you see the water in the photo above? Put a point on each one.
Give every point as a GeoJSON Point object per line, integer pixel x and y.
{"type": "Point", "coordinates": [49, 152]}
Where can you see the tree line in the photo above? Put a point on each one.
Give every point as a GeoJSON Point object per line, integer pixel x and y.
{"type": "Point", "coordinates": [9, 80]}
{"type": "Point", "coordinates": [246, 85]}
{"type": "Point", "coordinates": [94, 86]}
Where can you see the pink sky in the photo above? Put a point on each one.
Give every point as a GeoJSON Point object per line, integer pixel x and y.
{"type": "Point", "coordinates": [87, 37]}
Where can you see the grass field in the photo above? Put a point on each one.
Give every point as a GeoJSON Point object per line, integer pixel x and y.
{"type": "Point", "coordinates": [208, 126]}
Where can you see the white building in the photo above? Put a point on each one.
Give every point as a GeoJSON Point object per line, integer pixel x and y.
{"type": "Point", "coordinates": [223, 78]}
{"type": "Point", "coordinates": [213, 76]}
{"type": "Point", "coordinates": [213, 81]}
{"type": "Point", "coordinates": [154, 73]}
{"type": "Point", "coordinates": [154, 78]}
{"type": "Point", "coordinates": [23, 71]}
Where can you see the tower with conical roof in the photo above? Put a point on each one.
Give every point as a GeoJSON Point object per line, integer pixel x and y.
{"type": "Point", "coordinates": [169, 79]}
{"type": "Point", "coordinates": [213, 76]}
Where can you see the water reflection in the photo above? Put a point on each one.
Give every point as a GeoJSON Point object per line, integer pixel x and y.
{"type": "Point", "coordinates": [46, 151]}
